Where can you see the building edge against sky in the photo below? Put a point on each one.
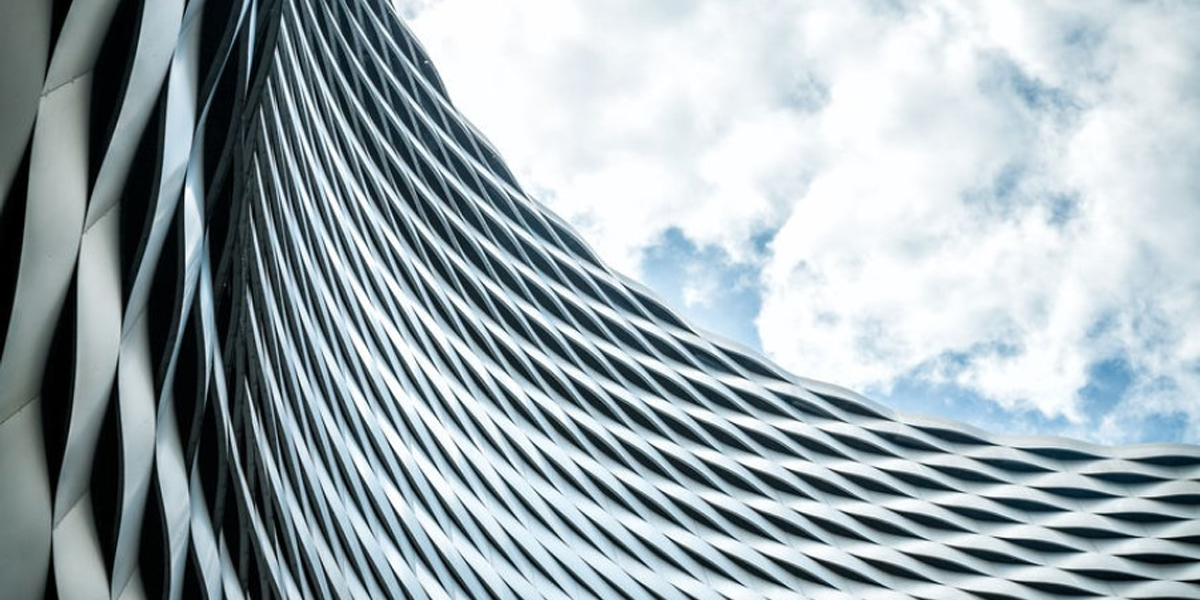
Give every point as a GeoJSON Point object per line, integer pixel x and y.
{"type": "Point", "coordinates": [278, 322]}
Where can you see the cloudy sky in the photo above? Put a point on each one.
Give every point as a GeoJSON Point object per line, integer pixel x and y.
{"type": "Point", "coordinates": [988, 211]}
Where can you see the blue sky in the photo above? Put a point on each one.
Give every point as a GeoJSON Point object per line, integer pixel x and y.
{"type": "Point", "coordinates": [988, 211]}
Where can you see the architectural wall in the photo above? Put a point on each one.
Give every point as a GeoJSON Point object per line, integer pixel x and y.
{"type": "Point", "coordinates": [278, 322]}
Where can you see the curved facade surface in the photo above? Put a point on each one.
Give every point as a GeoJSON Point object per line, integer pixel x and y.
{"type": "Point", "coordinates": [277, 322]}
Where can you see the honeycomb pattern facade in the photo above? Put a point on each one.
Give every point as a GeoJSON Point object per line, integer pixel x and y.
{"type": "Point", "coordinates": [278, 322]}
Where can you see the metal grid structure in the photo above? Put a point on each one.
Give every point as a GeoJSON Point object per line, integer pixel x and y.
{"type": "Point", "coordinates": [278, 322]}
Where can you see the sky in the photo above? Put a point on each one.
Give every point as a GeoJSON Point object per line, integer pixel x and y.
{"type": "Point", "coordinates": [988, 211]}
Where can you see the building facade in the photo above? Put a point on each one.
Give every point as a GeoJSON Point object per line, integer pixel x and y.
{"type": "Point", "coordinates": [278, 322]}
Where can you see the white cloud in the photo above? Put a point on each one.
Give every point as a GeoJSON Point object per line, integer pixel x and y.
{"type": "Point", "coordinates": [996, 196]}
{"type": "Point", "coordinates": [574, 94]}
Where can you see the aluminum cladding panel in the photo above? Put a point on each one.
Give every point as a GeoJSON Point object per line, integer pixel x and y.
{"type": "Point", "coordinates": [278, 322]}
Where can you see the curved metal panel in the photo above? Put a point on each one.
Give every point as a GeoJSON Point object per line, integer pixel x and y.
{"type": "Point", "coordinates": [321, 344]}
